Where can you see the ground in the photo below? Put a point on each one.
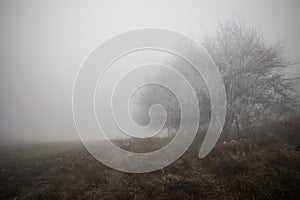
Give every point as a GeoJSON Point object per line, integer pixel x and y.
{"type": "Point", "coordinates": [65, 170]}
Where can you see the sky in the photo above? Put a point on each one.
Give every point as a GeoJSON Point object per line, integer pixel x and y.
{"type": "Point", "coordinates": [44, 43]}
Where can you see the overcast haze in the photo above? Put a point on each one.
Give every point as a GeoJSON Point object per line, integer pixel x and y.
{"type": "Point", "coordinates": [43, 44]}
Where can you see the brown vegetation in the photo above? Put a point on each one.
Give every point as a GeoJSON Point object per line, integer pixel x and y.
{"type": "Point", "coordinates": [237, 169]}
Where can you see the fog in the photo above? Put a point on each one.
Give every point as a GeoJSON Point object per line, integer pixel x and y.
{"type": "Point", "coordinates": [44, 43]}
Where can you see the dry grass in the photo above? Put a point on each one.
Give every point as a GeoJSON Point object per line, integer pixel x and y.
{"type": "Point", "coordinates": [231, 171]}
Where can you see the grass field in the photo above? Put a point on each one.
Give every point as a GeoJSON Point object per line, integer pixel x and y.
{"type": "Point", "coordinates": [231, 171]}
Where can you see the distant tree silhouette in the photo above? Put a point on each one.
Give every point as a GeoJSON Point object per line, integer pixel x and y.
{"type": "Point", "coordinates": [253, 74]}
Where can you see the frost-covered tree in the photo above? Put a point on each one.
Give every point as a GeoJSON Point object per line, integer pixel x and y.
{"type": "Point", "coordinates": [253, 74]}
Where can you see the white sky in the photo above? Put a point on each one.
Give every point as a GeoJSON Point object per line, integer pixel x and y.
{"type": "Point", "coordinates": [43, 44]}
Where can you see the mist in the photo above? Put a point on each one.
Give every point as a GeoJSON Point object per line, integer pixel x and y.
{"type": "Point", "coordinates": [44, 43]}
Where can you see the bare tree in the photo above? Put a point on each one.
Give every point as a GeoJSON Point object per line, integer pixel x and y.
{"type": "Point", "coordinates": [253, 74]}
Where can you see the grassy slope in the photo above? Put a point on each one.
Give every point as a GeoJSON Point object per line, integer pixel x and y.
{"type": "Point", "coordinates": [231, 171]}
